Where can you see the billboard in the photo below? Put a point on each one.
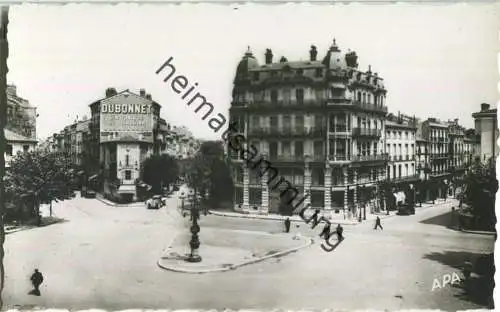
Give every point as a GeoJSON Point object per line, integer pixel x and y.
{"type": "Point", "coordinates": [126, 117]}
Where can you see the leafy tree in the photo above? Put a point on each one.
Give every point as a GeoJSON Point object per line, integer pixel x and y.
{"type": "Point", "coordinates": [160, 170]}
{"type": "Point", "coordinates": [40, 175]}
{"type": "Point", "coordinates": [210, 172]}
{"type": "Point", "coordinates": [481, 187]}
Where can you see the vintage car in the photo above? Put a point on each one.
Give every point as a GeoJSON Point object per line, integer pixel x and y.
{"type": "Point", "coordinates": [154, 202]}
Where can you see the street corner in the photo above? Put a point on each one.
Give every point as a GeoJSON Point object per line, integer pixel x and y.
{"type": "Point", "coordinates": [234, 250]}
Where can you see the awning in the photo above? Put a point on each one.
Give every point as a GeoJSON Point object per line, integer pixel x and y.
{"type": "Point", "coordinates": [81, 172]}
{"type": "Point", "coordinates": [337, 86]}
{"type": "Point", "coordinates": [127, 188]}
{"type": "Point", "coordinates": [93, 177]}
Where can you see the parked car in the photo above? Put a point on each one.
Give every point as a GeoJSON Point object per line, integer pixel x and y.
{"type": "Point", "coordinates": [405, 210]}
{"type": "Point", "coordinates": [89, 194]}
{"type": "Point", "coordinates": [154, 202]}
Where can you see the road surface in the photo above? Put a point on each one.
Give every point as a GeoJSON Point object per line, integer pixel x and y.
{"type": "Point", "coordinates": [105, 257]}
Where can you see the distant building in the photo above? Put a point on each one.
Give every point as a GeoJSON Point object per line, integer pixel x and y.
{"type": "Point", "coordinates": [487, 126]}
{"type": "Point", "coordinates": [472, 146]}
{"type": "Point", "coordinates": [436, 134]}
{"type": "Point", "coordinates": [400, 139]}
{"type": "Point", "coordinates": [456, 149]}
{"type": "Point", "coordinates": [17, 143]}
{"type": "Point", "coordinates": [21, 115]}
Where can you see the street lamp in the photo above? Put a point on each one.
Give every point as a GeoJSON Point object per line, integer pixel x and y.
{"type": "Point", "coordinates": [195, 229]}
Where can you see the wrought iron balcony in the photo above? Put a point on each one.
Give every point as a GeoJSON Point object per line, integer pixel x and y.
{"type": "Point", "coordinates": [379, 157]}
{"type": "Point", "coordinates": [376, 133]}
{"type": "Point", "coordinates": [370, 107]}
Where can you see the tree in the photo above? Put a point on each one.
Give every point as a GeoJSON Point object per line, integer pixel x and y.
{"type": "Point", "coordinates": [39, 175]}
{"type": "Point", "coordinates": [208, 171]}
{"type": "Point", "coordinates": [160, 170]}
{"type": "Point", "coordinates": [481, 187]}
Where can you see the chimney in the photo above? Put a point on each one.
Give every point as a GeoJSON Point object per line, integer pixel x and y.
{"type": "Point", "coordinates": [351, 59]}
{"type": "Point", "coordinates": [148, 96]}
{"type": "Point", "coordinates": [269, 56]}
{"type": "Point", "coordinates": [485, 107]}
{"type": "Point", "coordinates": [142, 92]}
{"type": "Point", "coordinates": [456, 120]}
{"type": "Point", "coordinates": [313, 53]}
{"type": "Point", "coordinates": [110, 92]}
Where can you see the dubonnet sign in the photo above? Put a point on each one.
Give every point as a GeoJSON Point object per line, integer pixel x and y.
{"type": "Point", "coordinates": [119, 120]}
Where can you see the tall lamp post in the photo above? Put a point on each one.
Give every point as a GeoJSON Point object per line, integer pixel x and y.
{"type": "Point", "coordinates": [195, 229]}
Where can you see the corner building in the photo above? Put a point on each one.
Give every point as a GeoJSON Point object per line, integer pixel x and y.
{"type": "Point", "coordinates": [123, 129]}
{"type": "Point", "coordinates": [319, 122]}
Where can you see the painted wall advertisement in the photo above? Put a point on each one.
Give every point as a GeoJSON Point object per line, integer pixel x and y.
{"type": "Point", "coordinates": [120, 121]}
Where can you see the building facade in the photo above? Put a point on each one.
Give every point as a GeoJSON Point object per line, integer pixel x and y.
{"type": "Point", "coordinates": [319, 122]}
{"type": "Point", "coordinates": [17, 143]}
{"type": "Point", "coordinates": [487, 126]}
{"type": "Point", "coordinates": [472, 147]}
{"type": "Point", "coordinates": [456, 150]}
{"type": "Point", "coordinates": [21, 115]}
{"type": "Point", "coordinates": [436, 134]}
{"type": "Point", "coordinates": [401, 146]}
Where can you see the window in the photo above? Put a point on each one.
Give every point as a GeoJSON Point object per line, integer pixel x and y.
{"type": "Point", "coordinates": [127, 160]}
{"type": "Point", "coordinates": [274, 122]}
{"type": "Point", "coordinates": [8, 150]}
{"type": "Point", "coordinates": [299, 149]}
{"type": "Point", "coordinates": [256, 76]}
{"type": "Point", "coordinates": [299, 94]}
{"type": "Point", "coordinates": [128, 175]}
{"type": "Point", "coordinates": [274, 96]}
{"type": "Point", "coordinates": [319, 72]}
{"type": "Point", "coordinates": [26, 148]}
{"type": "Point", "coordinates": [299, 122]}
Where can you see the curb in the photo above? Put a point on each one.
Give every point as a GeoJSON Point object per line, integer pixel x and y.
{"type": "Point", "coordinates": [478, 232]}
{"type": "Point", "coordinates": [106, 202]}
{"type": "Point", "coordinates": [235, 266]}
{"type": "Point", "coordinates": [258, 217]}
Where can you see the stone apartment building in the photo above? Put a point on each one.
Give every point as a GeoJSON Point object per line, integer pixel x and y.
{"type": "Point", "coordinates": [401, 146]}
{"type": "Point", "coordinates": [320, 122]}
{"type": "Point", "coordinates": [456, 150]}
{"type": "Point", "coordinates": [20, 129]}
{"type": "Point", "coordinates": [486, 125]}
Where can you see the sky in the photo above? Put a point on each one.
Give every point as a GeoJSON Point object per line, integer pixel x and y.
{"type": "Point", "coordinates": [436, 60]}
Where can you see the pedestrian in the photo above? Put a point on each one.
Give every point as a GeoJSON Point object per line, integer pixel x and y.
{"type": "Point", "coordinates": [36, 280]}
{"type": "Point", "coordinates": [340, 230]}
{"type": "Point", "coordinates": [326, 231]}
{"type": "Point", "coordinates": [287, 225]}
{"type": "Point", "coordinates": [378, 224]}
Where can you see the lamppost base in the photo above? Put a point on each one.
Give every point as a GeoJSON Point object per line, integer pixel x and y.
{"type": "Point", "coordinates": [193, 258]}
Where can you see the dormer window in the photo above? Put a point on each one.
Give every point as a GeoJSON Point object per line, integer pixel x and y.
{"type": "Point", "coordinates": [274, 73]}
{"type": "Point", "coordinates": [256, 76]}
{"type": "Point", "coordinates": [319, 72]}
{"type": "Point", "coordinates": [300, 71]}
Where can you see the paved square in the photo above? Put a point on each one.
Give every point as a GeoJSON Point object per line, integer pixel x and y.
{"type": "Point", "coordinates": [389, 269]}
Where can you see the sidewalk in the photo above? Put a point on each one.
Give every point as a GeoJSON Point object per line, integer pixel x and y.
{"type": "Point", "coordinates": [224, 250]}
{"type": "Point", "coordinates": [336, 218]}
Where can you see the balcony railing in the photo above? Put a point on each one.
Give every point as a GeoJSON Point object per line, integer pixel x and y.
{"type": "Point", "coordinates": [370, 107]}
{"type": "Point", "coordinates": [366, 132]}
{"type": "Point", "coordinates": [341, 129]}
{"type": "Point", "coordinates": [379, 157]}
{"type": "Point", "coordinates": [405, 178]}
{"type": "Point", "coordinates": [281, 103]}
{"type": "Point", "coordinates": [286, 157]}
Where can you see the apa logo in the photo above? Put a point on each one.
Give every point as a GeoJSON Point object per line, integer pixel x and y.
{"type": "Point", "coordinates": [447, 279]}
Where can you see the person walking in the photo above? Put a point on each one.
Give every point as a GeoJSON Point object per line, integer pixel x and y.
{"type": "Point", "coordinates": [378, 224]}
{"type": "Point", "coordinates": [36, 280]}
{"type": "Point", "coordinates": [340, 230]}
{"type": "Point", "coordinates": [287, 225]}
{"type": "Point", "coordinates": [326, 231]}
